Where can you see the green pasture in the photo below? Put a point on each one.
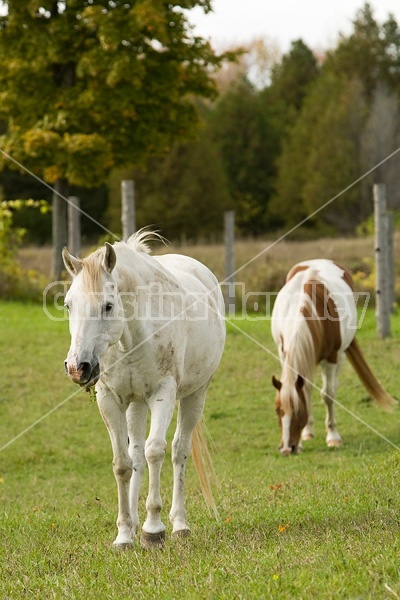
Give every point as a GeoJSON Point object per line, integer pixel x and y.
{"type": "Point", "coordinates": [324, 524]}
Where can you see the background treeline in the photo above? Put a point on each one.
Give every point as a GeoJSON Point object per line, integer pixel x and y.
{"type": "Point", "coordinates": [284, 136]}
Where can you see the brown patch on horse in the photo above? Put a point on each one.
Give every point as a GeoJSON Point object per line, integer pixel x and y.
{"type": "Point", "coordinates": [347, 277]}
{"type": "Point", "coordinates": [325, 329]}
{"type": "Point", "coordinates": [75, 374]}
{"type": "Point", "coordinates": [299, 417]}
{"type": "Point", "coordinates": [294, 270]}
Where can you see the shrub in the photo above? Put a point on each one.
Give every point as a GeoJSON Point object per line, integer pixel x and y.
{"type": "Point", "coordinates": [15, 282]}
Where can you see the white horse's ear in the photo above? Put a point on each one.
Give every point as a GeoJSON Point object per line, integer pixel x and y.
{"type": "Point", "coordinates": [110, 258]}
{"type": "Point", "coordinates": [72, 264]}
{"type": "Point", "coordinates": [276, 383]}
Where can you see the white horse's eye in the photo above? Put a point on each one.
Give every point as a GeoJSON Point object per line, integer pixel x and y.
{"type": "Point", "coordinates": [66, 306]}
{"type": "Point", "coordinates": [108, 307]}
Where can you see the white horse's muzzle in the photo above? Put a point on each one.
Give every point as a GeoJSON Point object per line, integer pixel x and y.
{"type": "Point", "coordinates": [85, 373]}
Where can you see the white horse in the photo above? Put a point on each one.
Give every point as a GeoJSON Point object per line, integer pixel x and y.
{"type": "Point", "coordinates": [314, 321]}
{"type": "Point", "coordinates": [146, 331]}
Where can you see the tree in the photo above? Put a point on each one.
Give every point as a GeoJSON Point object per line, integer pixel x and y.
{"type": "Point", "coordinates": [381, 137]}
{"type": "Point", "coordinates": [291, 79]}
{"type": "Point", "coordinates": [86, 86]}
{"type": "Point", "coordinates": [345, 126]}
{"type": "Point", "coordinates": [370, 54]}
{"type": "Point", "coordinates": [186, 193]}
{"type": "Point", "coordinates": [245, 132]}
{"type": "Point", "coordinates": [321, 156]}
{"type": "Point", "coordinates": [254, 61]}
{"type": "Point", "coordinates": [334, 158]}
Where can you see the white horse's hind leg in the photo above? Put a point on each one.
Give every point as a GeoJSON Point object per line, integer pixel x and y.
{"type": "Point", "coordinates": [114, 417]}
{"type": "Point", "coordinates": [162, 405]}
{"type": "Point", "coordinates": [189, 414]}
{"type": "Point", "coordinates": [329, 388]}
{"type": "Point", "coordinates": [137, 420]}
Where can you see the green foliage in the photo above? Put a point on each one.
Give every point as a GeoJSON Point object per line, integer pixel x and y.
{"type": "Point", "coordinates": [370, 53]}
{"type": "Point", "coordinates": [325, 150]}
{"type": "Point", "coordinates": [94, 87]}
{"type": "Point", "coordinates": [304, 526]}
{"type": "Point", "coordinates": [366, 228]}
{"type": "Point", "coordinates": [291, 79]}
{"type": "Point", "coordinates": [87, 86]}
{"type": "Point", "coordinates": [15, 282]}
{"type": "Point", "coordinates": [245, 132]}
{"type": "Point", "coordinates": [185, 194]}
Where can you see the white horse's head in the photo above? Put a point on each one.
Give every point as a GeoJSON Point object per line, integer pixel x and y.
{"type": "Point", "coordinates": [95, 313]}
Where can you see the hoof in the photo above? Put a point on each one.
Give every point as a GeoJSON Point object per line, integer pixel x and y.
{"type": "Point", "coordinates": [152, 540]}
{"type": "Point", "coordinates": [334, 443]}
{"type": "Point", "coordinates": [124, 546]}
{"type": "Point", "coordinates": [307, 436]}
{"type": "Point", "coordinates": [181, 533]}
{"type": "Point", "coordinates": [285, 451]}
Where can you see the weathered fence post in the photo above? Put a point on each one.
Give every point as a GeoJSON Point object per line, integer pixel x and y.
{"type": "Point", "coordinates": [382, 279]}
{"type": "Point", "coordinates": [391, 261]}
{"type": "Point", "coordinates": [128, 208]}
{"type": "Point", "coordinates": [74, 225]}
{"type": "Point", "coordinates": [59, 227]}
{"type": "Point", "coordinates": [229, 287]}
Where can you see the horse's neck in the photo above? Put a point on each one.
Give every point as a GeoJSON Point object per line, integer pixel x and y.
{"type": "Point", "coordinates": [301, 354]}
{"type": "Point", "coordinates": [140, 280]}
{"type": "Point", "coordinates": [132, 274]}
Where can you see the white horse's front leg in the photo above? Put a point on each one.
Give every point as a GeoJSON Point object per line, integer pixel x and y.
{"type": "Point", "coordinates": [161, 404]}
{"type": "Point", "coordinates": [114, 417]}
{"type": "Point", "coordinates": [136, 419]}
{"type": "Point", "coordinates": [329, 388]}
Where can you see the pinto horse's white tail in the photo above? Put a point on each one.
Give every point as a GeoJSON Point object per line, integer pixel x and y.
{"type": "Point", "coordinates": [203, 465]}
{"type": "Point", "coordinates": [367, 378]}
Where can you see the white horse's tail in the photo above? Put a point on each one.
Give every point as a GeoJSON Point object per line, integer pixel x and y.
{"type": "Point", "coordinates": [203, 465]}
{"type": "Point", "coordinates": [367, 378]}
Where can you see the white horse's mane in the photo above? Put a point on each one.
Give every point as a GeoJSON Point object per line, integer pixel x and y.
{"type": "Point", "coordinates": [140, 240]}
{"type": "Point", "coordinates": [92, 280]}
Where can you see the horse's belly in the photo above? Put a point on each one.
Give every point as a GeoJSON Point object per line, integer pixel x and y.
{"type": "Point", "coordinates": [200, 364]}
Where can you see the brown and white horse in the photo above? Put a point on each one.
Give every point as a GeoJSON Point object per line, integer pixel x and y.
{"type": "Point", "coordinates": [314, 322]}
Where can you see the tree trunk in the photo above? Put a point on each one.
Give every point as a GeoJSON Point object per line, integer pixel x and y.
{"type": "Point", "coordinates": [59, 226]}
{"type": "Point", "coordinates": [74, 225]}
{"type": "Point", "coordinates": [128, 208]}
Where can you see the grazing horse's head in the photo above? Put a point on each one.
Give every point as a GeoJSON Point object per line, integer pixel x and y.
{"type": "Point", "coordinates": [291, 408]}
{"type": "Point", "coordinates": [95, 313]}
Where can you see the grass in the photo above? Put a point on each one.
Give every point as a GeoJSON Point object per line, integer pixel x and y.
{"type": "Point", "coordinates": [323, 524]}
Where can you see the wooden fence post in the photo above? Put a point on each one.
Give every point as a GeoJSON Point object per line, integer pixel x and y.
{"type": "Point", "coordinates": [391, 262]}
{"type": "Point", "coordinates": [229, 287]}
{"type": "Point", "coordinates": [128, 208]}
{"type": "Point", "coordinates": [382, 279]}
{"type": "Point", "coordinates": [74, 225]}
{"type": "Point", "coordinates": [59, 227]}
